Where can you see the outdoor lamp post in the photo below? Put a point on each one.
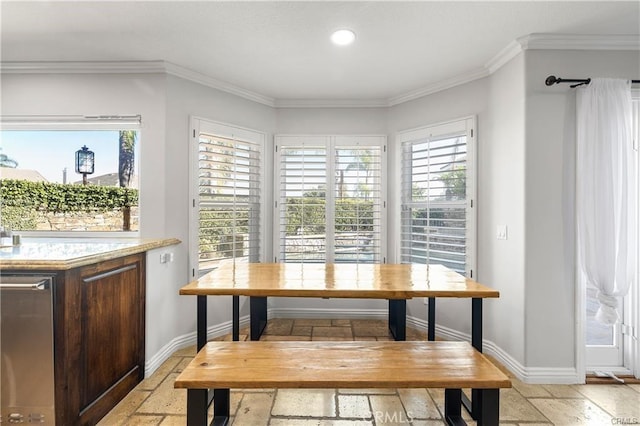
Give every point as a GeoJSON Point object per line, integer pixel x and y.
{"type": "Point", "coordinates": [84, 163]}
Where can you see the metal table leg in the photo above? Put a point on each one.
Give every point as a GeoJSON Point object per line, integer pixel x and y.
{"type": "Point", "coordinates": [398, 318]}
{"type": "Point", "coordinates": [258, 316]}
{"type": "Point", "coordinates": [201, 321]}
{"type": "Point", "coordinates": [431, 320]}
{"type": "Point", "coordinates": [476, 323]}
{"type": "Point", "coordinates": [236, 319]}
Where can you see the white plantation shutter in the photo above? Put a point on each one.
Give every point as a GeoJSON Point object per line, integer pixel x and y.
{"type": "Point", "coordinates": [358, 203]}
{"type": "Point", "coordinates": [437, 217]}
{"type": "Point", "coordinates": [341, 224]}
{"type": "Point", "coordinates": [229, 199]}
{"type": "Point", "coordinates": [302, 203]}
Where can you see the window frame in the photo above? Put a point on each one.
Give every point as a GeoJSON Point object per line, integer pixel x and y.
{"type": "Point", "coordinates": [228, 131]}
{"type": "Point", "coordinates": [79, 123]}
{"type": "Point", "coordinates": [466, 125]}
{"type": "Point", "coordinates": [330, 143]}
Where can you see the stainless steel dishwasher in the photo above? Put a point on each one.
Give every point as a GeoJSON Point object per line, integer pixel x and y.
{"type": "Point", "coordinates": [26, 346]}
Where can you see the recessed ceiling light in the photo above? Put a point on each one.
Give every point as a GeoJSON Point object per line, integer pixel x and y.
{"type": "Point", "coordinates": [343, 37]}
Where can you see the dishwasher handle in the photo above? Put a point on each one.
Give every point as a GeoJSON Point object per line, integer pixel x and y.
{"type": "Point", "coordinates": [43, 284]}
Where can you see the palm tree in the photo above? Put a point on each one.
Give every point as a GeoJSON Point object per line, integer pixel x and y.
{"type": "Point", "coordinates": [363, 162]}
{"type": "Point", "coordinates": [127, 139]}
{"type": "Point", "coordinates": [455, 182]}
{"type": "Point", "coordinates": [126, 157]}
{"type": "Point", "coordinates": [5, 161]}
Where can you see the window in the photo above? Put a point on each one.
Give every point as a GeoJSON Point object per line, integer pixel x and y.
{"type": "Point", "coordinates": [229, 194]}
{"type": "Point", "coordinates": [41, 187]}
{"type": "Point", "coordinates": [330, 198]}
{"type": "Point", "coordinates": [437, 216]}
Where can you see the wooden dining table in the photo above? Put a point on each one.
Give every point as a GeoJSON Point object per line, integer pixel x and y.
{"type": "Point", "coordinates": [394, 282]}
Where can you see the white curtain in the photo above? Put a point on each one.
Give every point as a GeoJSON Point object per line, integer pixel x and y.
{"type": "Point", "coordinates": [605, 191]}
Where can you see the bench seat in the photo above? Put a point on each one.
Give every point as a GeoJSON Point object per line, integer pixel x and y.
{"type": "Point", "coordinates": [392, 364]}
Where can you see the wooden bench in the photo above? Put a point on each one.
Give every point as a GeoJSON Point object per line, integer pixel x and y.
{"type": "Point", "coordinates": [220, 366]}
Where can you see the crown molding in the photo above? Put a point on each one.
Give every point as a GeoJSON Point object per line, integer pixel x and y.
{"type": "Point", "coordinates": [535, 41]}
{"type": "Point", "coordinates": [439, 86]}
{"type": "Point", "coordinates": [531, 41]}
{"type": "Point", "coordinates": [205, 80]}
{"type": "Point", "coordinates": [510, 51]}
{"type": "Point", "coordinates": [95, 67]}
{"type": "Point", "coordinates": [579, 42]}
{"type": "Point", "coordinates": [331, 103]}
{"type": "Point", "coordinates": [131, 67]}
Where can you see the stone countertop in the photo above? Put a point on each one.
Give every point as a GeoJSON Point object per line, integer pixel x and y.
{"type": "Point", "coordinates": [67, 253]}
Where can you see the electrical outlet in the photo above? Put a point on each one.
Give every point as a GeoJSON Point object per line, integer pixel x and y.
{"type": "Point", "coordinates": [501, 232]}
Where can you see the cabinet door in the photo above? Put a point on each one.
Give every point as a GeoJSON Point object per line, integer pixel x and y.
{"type": "Point", "coordinates": [113, 298]}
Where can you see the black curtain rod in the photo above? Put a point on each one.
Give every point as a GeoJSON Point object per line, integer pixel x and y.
{"type": "Point", "coordinates": [552, 79]}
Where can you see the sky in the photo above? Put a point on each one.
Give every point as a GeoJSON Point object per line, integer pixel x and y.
{"type": "Point", "coordinates": [50, 151]}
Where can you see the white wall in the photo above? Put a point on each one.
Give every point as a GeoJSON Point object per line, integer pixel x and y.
{"type": "Point", "coordinates": [331, 121]}
{"type": "Point", "coordinates": [549, 192]}
{"type": "Point", "coordinates": [501, 202]}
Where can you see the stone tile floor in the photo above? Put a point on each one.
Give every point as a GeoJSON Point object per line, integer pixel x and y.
{"type": "Point", "coordinates": [156, 402]}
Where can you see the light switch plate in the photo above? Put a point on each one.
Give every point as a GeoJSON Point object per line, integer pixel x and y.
{"type": "Point", "coordinates": [501, 232]}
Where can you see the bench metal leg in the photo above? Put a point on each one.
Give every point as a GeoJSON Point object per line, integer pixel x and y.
{"type": "Point", "coordinates": [197, 405]}
{"type": "Point", "coordinates": [221, 407]}
{"type": "Point", "coordinates": [398, 318]}
{"type": "Point", "coordinates": [258, 316]}
{"type": "Point", "coordinates": [452, 410]}
{"type": "Point", "coordinates": [490, 407]}
{"type": "Point", "coordinates": [488, 399]}
{"type": "Point", "coordinates": [473, 404]}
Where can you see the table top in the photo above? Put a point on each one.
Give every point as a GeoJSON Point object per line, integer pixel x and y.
{"type": "Point", "coordinates": [341, 365]}
{"type": "Point", "coordinates": [341, 280]}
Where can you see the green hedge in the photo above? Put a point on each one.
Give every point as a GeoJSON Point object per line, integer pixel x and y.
{"type": "Point", "coordinates": [350, 215]}
{"type": "Point", "coordinates": [63, 198]}
{"type": "Point", "coordinates": [18, 218]}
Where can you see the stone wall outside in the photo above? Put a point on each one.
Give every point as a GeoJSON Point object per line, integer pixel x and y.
{"type": "Point", "coordinates": [81, 221]}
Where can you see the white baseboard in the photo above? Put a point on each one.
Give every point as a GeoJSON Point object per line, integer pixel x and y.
{"type": "Point", "coordinates": [189, 339]}
{"type": "Point", "coordinates": [322, 313]}
{"type": "Point", "coordinates": [532, 375]}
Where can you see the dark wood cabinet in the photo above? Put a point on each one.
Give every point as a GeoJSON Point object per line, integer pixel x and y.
{"type": "Point", "coordinates": [98, 296]}
{"type": "Point", "coordinates": [99, 333]}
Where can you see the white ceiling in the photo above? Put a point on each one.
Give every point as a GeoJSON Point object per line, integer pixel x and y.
{"type": "Point", "coordinates": [282, 51]}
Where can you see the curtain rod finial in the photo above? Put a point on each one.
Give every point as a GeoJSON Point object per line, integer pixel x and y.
{"type": "Point", "coordinates": [551, 80]}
